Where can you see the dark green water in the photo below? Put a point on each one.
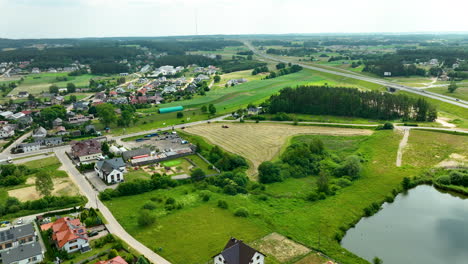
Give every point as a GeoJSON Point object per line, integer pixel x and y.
{"type": "Point", "coordinates": [424, 226]}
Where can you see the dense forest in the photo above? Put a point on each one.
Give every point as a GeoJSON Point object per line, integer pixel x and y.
{"type": "Point", "coordinates": [341, 101]}
{"type": "Point", "coordinates": [299, 52]}
{"type": "Point", "coordinates": [61, 57]}
{"type": "Point", "coordinates": [185, 60]}
{"type": "Point", "coordinates": [174, 47]}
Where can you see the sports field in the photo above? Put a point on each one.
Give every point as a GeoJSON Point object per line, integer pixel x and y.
{"type": "Point", "coordinates": [263, 141]}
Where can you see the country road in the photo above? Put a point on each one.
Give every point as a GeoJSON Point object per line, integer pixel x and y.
{"type": "Point", "coordinates": [112, 225]}
{"type": "Point", "coordinates": [444, 98]}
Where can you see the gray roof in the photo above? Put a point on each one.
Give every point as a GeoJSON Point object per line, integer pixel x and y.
{"type": "Point", "coordinates": [237, 252]}
{"type": "Point", "coordinates": [15, 232]}
{"type": "Point", "coordinates": [24, 251]}
{"type": "Point", "coordinates": [40, 131]}
{"type": "Point", "coordinates": [110, 164]}
{"type": "Point", "coordinates": [22, 145]}
{"type": "Point", "coordinates": [136, 152]}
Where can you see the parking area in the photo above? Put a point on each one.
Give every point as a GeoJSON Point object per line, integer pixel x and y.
{"type": "Point", "coordinates": [163, 142]}
{"type": "Point", "coordinates": [97, 182]}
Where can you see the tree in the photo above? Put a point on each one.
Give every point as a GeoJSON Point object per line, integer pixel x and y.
{"type": "Point", "coordinates": [73, 98]}
{"type": "Point", "coordinates": [112, 254]}
{"type": "Point", "coordinates": [71, 88]}
{"type": "Point", "coordinates": [217, 78]}
{"type": "Point", "coordinates": [146, 218]}
{"type": "Point", "coordinates": [105, 148]}
{"type": "Point", "coordinates": [204, 109]}
{"type": "Point", "coordinates": [197, 174]}
{"type": "Point", "coordinates": [212, 109]}
{"type": "Point", "coordinates": [121, 80]}
{"type": "Point", "coordinates": [44, 184]}
{"type": "Point", "coordinates": [180, 114]}
{"type": "Point", "coordinates": [53, 89]}
{"type": "Point", "coordinates": [269, 172]}
{"type": "Point", "coordinates": [406, 183]}
{"type": "Point", "coordinates": [351, 167]}
{"type": "Point", "coordinates": [127, 117]}
{"type": "Point", "coordinates": [322, 182]}
{"type": "Point", "coordinates": [452, 87]}
{"type": "Point", "coordinates": [377, 260]}
{"type": "Point", "coordinates": [106, 114]}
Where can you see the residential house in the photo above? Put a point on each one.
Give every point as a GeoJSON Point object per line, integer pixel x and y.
{"type": "Point", "coordinates": [57, 100]}
{"type": "Point", "coordinates": [111, 170]}
{"type": "Point", "coordinates": [100, 96]}
{"type": "Point", "coordinates": [24, 254]}
{"type": "Point", "coordinates": [113, 93]}
{"type": "Point", "coordinates": [57, 122]}
{"type": "Point", "coordinates": [253, 110]}
{"type": "Point", "coordinates": [16, 116]}
{"type": "Point", "coordinates": [29, 147]}
{"type": "Point", "coordinates": [25, 120]}
{"type": "Point", "coordinates": [116, 260]}
{"type": "Point", "coordinates": [61, 131]}
{"type": "Point", "coordinates": [86, 150]}
{"type": "Point", "coordinates": [80, 106]}
{"type": "Point", "coordinates": [6, 114]}
{"type": "Point", "coordinates": [70, 235]}
{"type": "Point", "coordinates": [156, 99]}
{"type": "Point", "coordinates": [90, 128]}
{"type": "Point", "coordinates": [53, 141]}
{"type": "Point", "coordinates": [169, 89]}
{"type": "Point", "coordinates": [237, 252]}
{"type": "Point", "coordinates": [236, 81]}
{"type": "Point", "coordinates": [35, 71]}
{"type": "Point", "coordinates": [39, 133]}
{"type": "Point", "coordinates": [120, 90]}
{"type": "Point", "coordinates": [79, 119]}
{"type": "Point", "coordinates": [201, 77]}
{"type": "Point", "coordinates": [123, 74]}
{"type": "Point", "coordinates": [145, 68]}
{"type": "Point", "coordinates": [16, 235]}
{"type": "Point", "coordinates": [23, 94]}
{"type": "Point", "coordinates": [7, 131]}
{"type": "Point", "coordinates": [118, 100]}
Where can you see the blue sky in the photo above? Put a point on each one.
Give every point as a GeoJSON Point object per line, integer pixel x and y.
{"type": "Point", "coordinates": [105, 18]}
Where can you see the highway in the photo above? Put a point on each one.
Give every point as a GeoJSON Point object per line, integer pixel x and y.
{"type": "Point", "coordinates": [444, 98]}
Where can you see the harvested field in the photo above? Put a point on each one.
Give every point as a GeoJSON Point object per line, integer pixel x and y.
{"type": "Point", "coordinates": [263, 141]}
{"type": "Point", "coordinates": [62, 187]}
{"type": "Point", "coordinates": [280, 247]}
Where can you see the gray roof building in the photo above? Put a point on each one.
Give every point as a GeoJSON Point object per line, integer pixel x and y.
{"type": "Point", "coordinates": [136, 152]}
{"type": "Point", "coordinates": [32, 251]}
{"type": "Point", "coordinates": [107, 166]}
{"type": "Point", "coordinates": [16, 232]}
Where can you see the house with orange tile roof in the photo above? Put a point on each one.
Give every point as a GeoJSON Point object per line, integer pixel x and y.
{"type": "Point", "coordinates": [69, 234]}
{"type": "Point", "coordinates": [116, 260]}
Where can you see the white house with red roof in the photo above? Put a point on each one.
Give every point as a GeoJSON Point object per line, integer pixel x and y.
{"type": "Point", "coordinates": [69, 234]}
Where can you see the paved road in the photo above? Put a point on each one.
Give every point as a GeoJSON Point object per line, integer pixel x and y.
{"type": "Point", "coordinates": [447, 99]}
{"type": "Point", "coordinates": [93, 201]}
{"type": "Point", "coordinates": [7, 151]}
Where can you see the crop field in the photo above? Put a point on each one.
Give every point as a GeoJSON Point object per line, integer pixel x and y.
{"type": "Point", "coordinates": [263, 141]}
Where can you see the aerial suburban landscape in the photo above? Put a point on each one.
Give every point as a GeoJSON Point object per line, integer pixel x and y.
{"type": "Point", "coordinates": [184, 143]}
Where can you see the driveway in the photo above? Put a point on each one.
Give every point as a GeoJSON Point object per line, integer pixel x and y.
{"type": "Point", "coordinates": [97, 182]}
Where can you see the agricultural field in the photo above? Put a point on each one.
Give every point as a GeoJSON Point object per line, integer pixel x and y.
{"type": "Point", "coordinates": [272, 210]}
{"type": "Point", "coordinates": [263, 141]}
{"type": "Point", "coordinates": [247, 74]}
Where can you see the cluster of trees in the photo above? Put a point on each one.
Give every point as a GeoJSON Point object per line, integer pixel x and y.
{"type": "Point", "coordinates": [296, 52]}
{"type": "Point", "coordinates": [230, 183]}
{"type": "Point", "coordinates": [175, 47]}
{"type": "Point", "coordinates": [62, 57]}
{"type": "Point", "coordinates": [239, 65]}
{"type": "Point", "coordinates": [138, 186]}
{"type": "Point", "coordinates": [90, 218]}
{"type": "Point", "coordinates": [185, 60]}
{"type": "Point", "coordinates": [260, 70]}
{"type": "Point", "coordinates": [49, 114]}
{"type": "Point", "coordinates": [454, 177]}
{"type": "Point", "coordinates": [11, 175]}
{"type": "Point", "coordinates": [393, 65]}
{"type": "Point", "coordinates": [108, 68]}
{"type": "Point", "coordinates": [337, 58]}
{"type": "Point", "coordinates": [245, 53]}
{"type": "Point", "coordinates": [310, 158]}
{"type": "Point", "coordinates": [210, 108]}
{"type": "Point", "coordinates": [284, 71]}
{"type": "Point", "coordinates": [13, 205]}
{"type": "Point", "coordinates": [341, 101]}
{"type": "Point", "coordinates": [224, 160]}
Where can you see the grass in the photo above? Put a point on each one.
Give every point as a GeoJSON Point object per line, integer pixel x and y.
{"type": "Point", "coordinates": [461, 92]}
{"type": "Point", "coordinates": [284, 211]}
{"type": "Point", "coordinates": [171, 163]}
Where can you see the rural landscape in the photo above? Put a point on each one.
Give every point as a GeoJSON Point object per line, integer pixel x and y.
{"type": "Point", "coordinates": [310, 148]}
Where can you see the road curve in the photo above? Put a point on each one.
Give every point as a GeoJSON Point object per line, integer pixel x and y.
{"type": "Point", "coordinates": [93, 201]}
{"type": "Point", "coordinates": [444, 98]}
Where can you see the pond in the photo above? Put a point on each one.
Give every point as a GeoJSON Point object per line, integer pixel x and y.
{"type": "Point", "coordinates": [423, 226]}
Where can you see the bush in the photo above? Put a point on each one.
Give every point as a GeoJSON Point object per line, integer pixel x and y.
{"type": "Point", "coordinates": [241, 212]}
{"type": "Point", "coordinates": [205, 195]}
{"type": "Point", "coordinates": [170, 200]}
{"type": "Point", "coordinates": [112, 254]}
{"type": "Point", "coordinates": [312, 197]}
{"type": "Point", "coordinates": [146, 218]}
{"type": "Point", "coordinates": [223, 204]}
{"type": "Point", "coordinates": [343, 182]}
{"type": "Point", "coordinates": [387, 126]}
{"type": "Point", "coordinates": [444, 179]}
{"type": "Point", "coordinates": [149, 206]}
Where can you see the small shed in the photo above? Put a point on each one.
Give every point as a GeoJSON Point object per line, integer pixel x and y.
{"type": "Point", "coordinates": [171, 109]}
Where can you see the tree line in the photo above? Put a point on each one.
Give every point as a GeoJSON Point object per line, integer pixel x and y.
{"type": "Point", "coordinates": [341, 101]}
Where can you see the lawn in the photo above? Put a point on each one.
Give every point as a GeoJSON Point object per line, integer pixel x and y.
{"type": "Point", "coordinates": [284, 211]}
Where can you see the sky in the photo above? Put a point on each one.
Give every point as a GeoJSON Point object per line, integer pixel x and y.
{"type": "Point", "coordinates": [110, 18]}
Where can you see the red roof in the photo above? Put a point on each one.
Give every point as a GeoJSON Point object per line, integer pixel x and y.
{"type": "Point", "coordinates": [66, 229]}
{"type": "Point", "coordinates": [116, 260]}
{"type": "Point", "coordinates": [26, 112]}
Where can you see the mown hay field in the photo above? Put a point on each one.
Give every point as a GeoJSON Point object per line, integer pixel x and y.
{"type": "Point", "coordinates": [263, 141]}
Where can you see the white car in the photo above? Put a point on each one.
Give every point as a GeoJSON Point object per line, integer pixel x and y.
{"type": "Point", "coordinates": [20, 221]}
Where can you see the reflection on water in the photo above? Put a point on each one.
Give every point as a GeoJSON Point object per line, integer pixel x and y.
{"type": "Point", "coordinates": [424, 226]}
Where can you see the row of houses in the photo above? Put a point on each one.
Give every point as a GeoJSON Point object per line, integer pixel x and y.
{"type": "Point", "coordinates": [20, 245]}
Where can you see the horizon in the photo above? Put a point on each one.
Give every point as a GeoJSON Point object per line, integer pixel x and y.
{"type": "Point", "coordinates": [51, 19]}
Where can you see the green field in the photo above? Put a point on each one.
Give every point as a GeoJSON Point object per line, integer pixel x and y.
{"type": "Point", "coordinates": [461, 92]}
{"type": "Point", "coordinates": [284, 211]}
{"type": "Point", "coordinates": [171, 163]}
